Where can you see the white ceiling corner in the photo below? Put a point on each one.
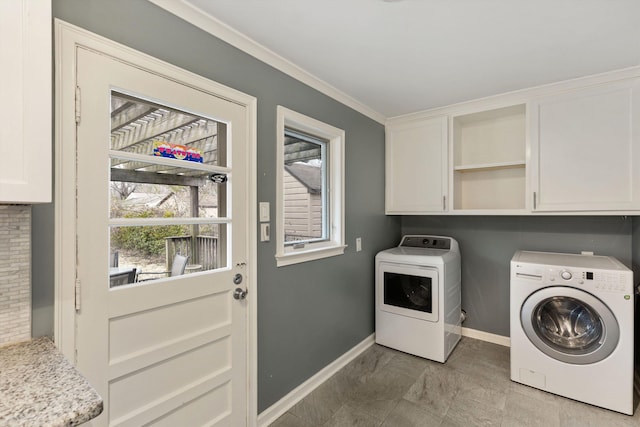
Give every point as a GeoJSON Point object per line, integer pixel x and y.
{"type": "Point", "coordinates": [390, 58]}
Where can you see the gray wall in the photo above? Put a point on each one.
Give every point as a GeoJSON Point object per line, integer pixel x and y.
{"type": "Point", "coordinates": [308, 314]}
{"type": "Point", "coordinates": [487, 244]}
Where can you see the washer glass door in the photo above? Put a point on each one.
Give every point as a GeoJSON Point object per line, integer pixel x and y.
{"type": "Point", "coordinates": [570, 325]}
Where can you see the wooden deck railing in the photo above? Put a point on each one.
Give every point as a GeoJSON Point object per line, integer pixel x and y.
{"type": "Point", "coordinates": [204, 251]}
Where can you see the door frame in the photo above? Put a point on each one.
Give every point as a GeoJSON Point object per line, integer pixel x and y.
{"type": "Point", "coordinates": [68, 38]}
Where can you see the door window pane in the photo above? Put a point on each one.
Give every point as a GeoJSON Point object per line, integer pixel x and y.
{"type": "Point", "coordinates": [140, 193]}
{"type": "Point", "coordinates": [168, 176]}
{"type": "Point", "coordinates": [143, 127]}
{"type": "Point", "coordinates": [143, 253]}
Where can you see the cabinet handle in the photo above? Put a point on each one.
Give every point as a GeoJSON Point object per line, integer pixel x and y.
{"type": "Point", "coordinates": [534, 200]}
{"type": "Point", "coordinates": [444, 203]}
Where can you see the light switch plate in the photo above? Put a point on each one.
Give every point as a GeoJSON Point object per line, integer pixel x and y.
{"type": "Point", "coordinates": [264, 212]}
{"type": "Point", "coordinates": [358, 244]}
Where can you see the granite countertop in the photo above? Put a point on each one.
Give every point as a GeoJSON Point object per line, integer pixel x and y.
{"type": "Point", "coordinates": [39, 387]}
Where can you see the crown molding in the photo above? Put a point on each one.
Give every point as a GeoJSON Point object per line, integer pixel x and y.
{"type": "Point", "coordinates": [520, 95]}
{"type": "Point", "coordinates": [195, 16]}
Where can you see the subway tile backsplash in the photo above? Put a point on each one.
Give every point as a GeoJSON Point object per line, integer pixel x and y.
{"type": "Point", "coordinates": [15, 273]}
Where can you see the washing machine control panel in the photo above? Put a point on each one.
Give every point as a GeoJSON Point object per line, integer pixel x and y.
{"type": "Point", "coordinates": [589, 279]}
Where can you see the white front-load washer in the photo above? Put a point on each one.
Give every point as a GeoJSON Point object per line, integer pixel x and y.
{"type": "Point", "coordinates": [572, 327]}
{"type": "Point", "coordinates": [418, 296]}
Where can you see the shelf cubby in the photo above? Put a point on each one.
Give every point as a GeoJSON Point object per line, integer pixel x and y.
{"type": "Point", "coordinates": [489, 159]}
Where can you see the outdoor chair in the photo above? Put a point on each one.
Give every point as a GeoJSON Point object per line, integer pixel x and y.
{"type": "Point", "coordinates": [123, 278]}
{"type": "Point", "coordinates": [113, 259]}
{"type": "Point", "coordinates": [177, 268]}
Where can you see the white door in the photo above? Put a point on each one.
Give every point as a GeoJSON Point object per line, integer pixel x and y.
{"type": "Point", "coordinates": [160, 348]}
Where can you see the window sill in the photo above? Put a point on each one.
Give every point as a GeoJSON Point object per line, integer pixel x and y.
{"type": "Point", "coordinates": [308, 255]}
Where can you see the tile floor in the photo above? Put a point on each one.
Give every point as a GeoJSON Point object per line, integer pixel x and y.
{"type": "Point", "coordinates": [388, 388]}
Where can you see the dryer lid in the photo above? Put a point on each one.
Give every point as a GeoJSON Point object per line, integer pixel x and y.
{"type": "Point", "coordinates": [422, 250]}
{"type": "Point", "coordinates": [415, 256]}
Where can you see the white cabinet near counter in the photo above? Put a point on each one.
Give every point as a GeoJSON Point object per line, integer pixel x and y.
{"type": "Point", "coordinates": [25, 111]}
{"type": "Point", "coordinates": [416, 166]}
{"type": "Point", "coordinates": [586, 149]}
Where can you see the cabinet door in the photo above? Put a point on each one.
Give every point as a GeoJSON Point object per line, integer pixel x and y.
{"type": "Point", "coordinates": [25, 111]}
{"type": "Point", "coordinates": [585, 150]}
{"type": "Point", "coordinates": [416, 166]}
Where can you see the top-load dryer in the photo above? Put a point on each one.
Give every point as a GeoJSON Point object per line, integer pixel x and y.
{"type": "Point", "coordinates": [418, 299]}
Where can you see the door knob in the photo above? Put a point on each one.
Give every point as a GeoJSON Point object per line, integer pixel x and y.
{"type": "Point", "coordinates": [240, 293]}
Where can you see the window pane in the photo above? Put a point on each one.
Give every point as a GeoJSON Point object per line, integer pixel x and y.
{"type": "Point", "coordinates": [146, 193]}
{"type": "Point", "coordinates": [142, 127]}
{"type": "Point", "coordinates": [305, 189]}
{"type": "Point", "coordinates": [144, 253]}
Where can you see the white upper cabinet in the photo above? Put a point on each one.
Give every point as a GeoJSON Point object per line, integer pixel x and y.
{"type": "Point", "coordinates": [489, 160]}
{"type": "Point", "coordinates": [416, 166]}
{"type": "Point", "coordinates": [25, 111]}
{"type": "Point", "coordinates": [586, 149]}
{"type": "Point", "coordinates": [568, 148]}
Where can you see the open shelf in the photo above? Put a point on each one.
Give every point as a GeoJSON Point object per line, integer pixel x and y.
{"type": "Point", "coordinates": [489, 189]}
{"type": "Point", "coordinates": [489, 159]}
{"type": "Point", "coordinates": [490, 166]}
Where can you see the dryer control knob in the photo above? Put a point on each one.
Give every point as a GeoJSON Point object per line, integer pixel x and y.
{"type": "Point", "coordinates": [566, 275]}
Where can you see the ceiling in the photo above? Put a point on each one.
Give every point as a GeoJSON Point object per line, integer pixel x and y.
{"type": "Point", "coordinates": [395, 57]}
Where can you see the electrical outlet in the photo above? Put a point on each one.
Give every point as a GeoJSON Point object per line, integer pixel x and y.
{"type": "Point", "coordinates": [264, 232]}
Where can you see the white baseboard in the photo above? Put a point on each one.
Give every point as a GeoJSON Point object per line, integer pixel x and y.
{"type": "Point", "coordinates": [276, 410]}
{"type": "Point", "coordinates": [486, 336]}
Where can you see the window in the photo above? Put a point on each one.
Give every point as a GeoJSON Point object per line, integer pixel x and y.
{"type": "Point", "coordinates": [167, 215]}
{"type": "Point", "coordinates": [310, 180]}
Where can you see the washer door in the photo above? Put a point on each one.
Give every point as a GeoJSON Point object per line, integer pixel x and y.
{"type": "Point", "coordinates": [570, 325]}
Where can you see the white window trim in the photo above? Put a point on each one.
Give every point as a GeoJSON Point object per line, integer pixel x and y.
{"type": "Point", "coordinates": [286, 254]}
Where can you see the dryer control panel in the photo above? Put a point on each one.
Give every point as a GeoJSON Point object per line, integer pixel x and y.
{"type": "Point", "coordinates": [426, 242]}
